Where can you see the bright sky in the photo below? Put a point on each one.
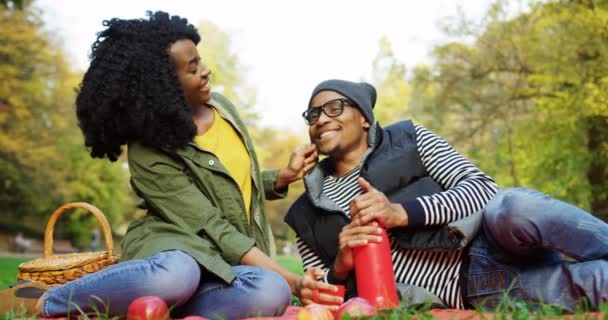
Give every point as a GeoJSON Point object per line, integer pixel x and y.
{"type": "Point", "coordinates": [287, 46]}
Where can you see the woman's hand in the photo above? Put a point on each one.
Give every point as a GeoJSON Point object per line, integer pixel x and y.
{"type": "Point", "coordinates": [303, 158]}
{"type": "Point", "coordinates": [309, 284]}
{"type": "Point", "coordinates": [352, 236]}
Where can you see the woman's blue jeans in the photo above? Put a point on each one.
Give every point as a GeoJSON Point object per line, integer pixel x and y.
{"type": "Point", "coordinates": [540, 250]}
{"type": "Point", "coordinates": [178, 279]}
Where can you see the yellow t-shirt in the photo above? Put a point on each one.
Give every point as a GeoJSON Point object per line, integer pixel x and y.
{"type": "Point", "coordinates": [224, 141]}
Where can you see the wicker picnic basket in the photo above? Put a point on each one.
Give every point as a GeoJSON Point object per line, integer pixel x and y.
{"type": "Point", "coordinates": [61, 268]}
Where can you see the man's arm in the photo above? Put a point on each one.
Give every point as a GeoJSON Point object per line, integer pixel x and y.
{"type": "Point", "coordinates": [468, 189]}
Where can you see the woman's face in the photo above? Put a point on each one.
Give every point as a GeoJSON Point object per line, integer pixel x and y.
{"type": "Point", "coordinates": [192, 72]}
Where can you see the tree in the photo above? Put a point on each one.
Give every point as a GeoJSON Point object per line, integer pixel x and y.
{"type": "Point", "coordinates": [9, 4]}
{"type": "Point", "coordinates": [43, 162]}
{"type": "Point", "coordinates": [228, 74]}
{"type": "Point", "coordinates": [274, 149]}
{"type": "Point", "coordinates": [27, 121]}
{"type": "Point", "coordinates": [527, 99]}
{"type": "Point", "coordinates": [389, 78]}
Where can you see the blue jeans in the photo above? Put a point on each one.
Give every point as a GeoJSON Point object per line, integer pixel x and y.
{"type": "Point", "coordinates": [178, 279]}
{"type": "Point", "coordinates": [539, 250]}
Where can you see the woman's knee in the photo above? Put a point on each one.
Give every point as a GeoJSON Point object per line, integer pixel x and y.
{"type": "Point", "coordinates": [176, 276]}
{"type": "Point", "coordinates": [270, 294]}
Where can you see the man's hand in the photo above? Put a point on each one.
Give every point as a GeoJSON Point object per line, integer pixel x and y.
{"type": "Point", "coordinates": [350, 237]}
{"type": "Point", "coordinates": [309, 283]}
{"type": "Point", "coordinates": [374, 205]}
{"type": "Point", "coordinates": [303, 158]}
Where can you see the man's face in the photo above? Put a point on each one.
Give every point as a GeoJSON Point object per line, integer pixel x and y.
{"type": "Point", "coordinates": [338, 136]}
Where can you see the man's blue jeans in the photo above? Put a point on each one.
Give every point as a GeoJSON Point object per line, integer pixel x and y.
{"type": "Point", "coordinates": [539, 250]}
{"type": "Point", "coordinates": [178, 279]}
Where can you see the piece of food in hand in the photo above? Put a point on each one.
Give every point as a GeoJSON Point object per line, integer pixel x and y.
{"type": "Point", "coordinates": [315, 312]}
{"type": "Point", "coordinates": [148, 308]}
{"type": "Point", "coordinates": [355, 307]}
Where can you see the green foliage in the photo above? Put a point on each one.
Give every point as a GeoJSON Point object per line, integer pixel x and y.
{"type": "Point", "coordinates": [42, 158]}
{"type": "Point", "coordinates": [391, 85]}
{"type": "Point", "coordinates": [228, 74]}
{"type": "Point", "coordinates": [25, 121]}
{"type": "Point", "coordinates": [274, 149]}
{"type": "Point", "coordinates": [8, 4]}
{"type": "Point", "coordinates": [527, 99]}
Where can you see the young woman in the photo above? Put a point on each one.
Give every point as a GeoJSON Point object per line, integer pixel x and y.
{"type": "Point", "coordinates": [205, 242]}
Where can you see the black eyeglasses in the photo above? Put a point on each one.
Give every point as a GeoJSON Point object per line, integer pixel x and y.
{"type": "Point", "coordinates": [331, 108]}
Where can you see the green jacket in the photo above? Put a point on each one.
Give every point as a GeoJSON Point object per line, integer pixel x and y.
{"type": "Point", "coordinates": [194, 205]}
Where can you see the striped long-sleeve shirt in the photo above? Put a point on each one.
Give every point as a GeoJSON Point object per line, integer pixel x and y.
{"type": "Point", "coordinates": [467, 191]}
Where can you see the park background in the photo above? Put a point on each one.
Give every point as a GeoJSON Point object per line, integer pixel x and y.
{"type": "Point", "coordinates": [518, 87]}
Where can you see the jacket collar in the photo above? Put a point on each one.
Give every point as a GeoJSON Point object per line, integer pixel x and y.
{"type": "Point", "coordinates": [222, 110]}
{"type": "Point", "coordinates": [313, 181]}
{"type": "Point", "coordinates": [191, 151]}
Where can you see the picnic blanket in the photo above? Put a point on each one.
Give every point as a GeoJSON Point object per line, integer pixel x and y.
{"type": "Point", "coordinates": [441, 314]}
{"type": "Point", "coordinates": [445, 314]}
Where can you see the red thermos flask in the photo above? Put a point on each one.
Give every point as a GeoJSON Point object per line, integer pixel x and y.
{"type": "Point", "coordinates": [374, 273]}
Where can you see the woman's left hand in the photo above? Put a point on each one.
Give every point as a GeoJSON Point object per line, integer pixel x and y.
{"type": "Point", "coordinates": [303, 158]}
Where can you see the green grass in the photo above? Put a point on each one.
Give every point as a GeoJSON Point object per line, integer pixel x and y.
{"type": "Point", "coordinates": [9, 270]}
{"type": "Point", "coordinates": [292, 264]}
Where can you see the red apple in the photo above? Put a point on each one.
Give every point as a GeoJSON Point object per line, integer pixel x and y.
{"type": "Point", "coordinates": [315, 312]}
{"type": "Point", "coordinates": [148, 308]}
{"type": "Point", "coordinates": [356, 307]}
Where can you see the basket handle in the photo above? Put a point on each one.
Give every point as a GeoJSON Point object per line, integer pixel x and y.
{"type": "Point", "coordinates": [50, 227]}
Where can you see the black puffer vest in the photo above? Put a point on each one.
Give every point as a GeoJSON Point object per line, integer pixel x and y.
{"type": "Point", "coordinates": [391, 165]}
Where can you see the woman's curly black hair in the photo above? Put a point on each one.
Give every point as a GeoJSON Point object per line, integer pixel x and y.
{"type": "Point", "coordinates": [131, 92]}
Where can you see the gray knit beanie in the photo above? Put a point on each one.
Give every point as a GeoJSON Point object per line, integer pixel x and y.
{"type": "Point", "coordinates": [362, 94]}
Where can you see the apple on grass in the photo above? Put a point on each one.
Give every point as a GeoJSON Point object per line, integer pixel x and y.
{"type": "Point", "coordinates": [148, 308]}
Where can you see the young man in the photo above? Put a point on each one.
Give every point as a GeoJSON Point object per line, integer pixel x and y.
{"type": "Point", "coordinates": [454, 240]}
